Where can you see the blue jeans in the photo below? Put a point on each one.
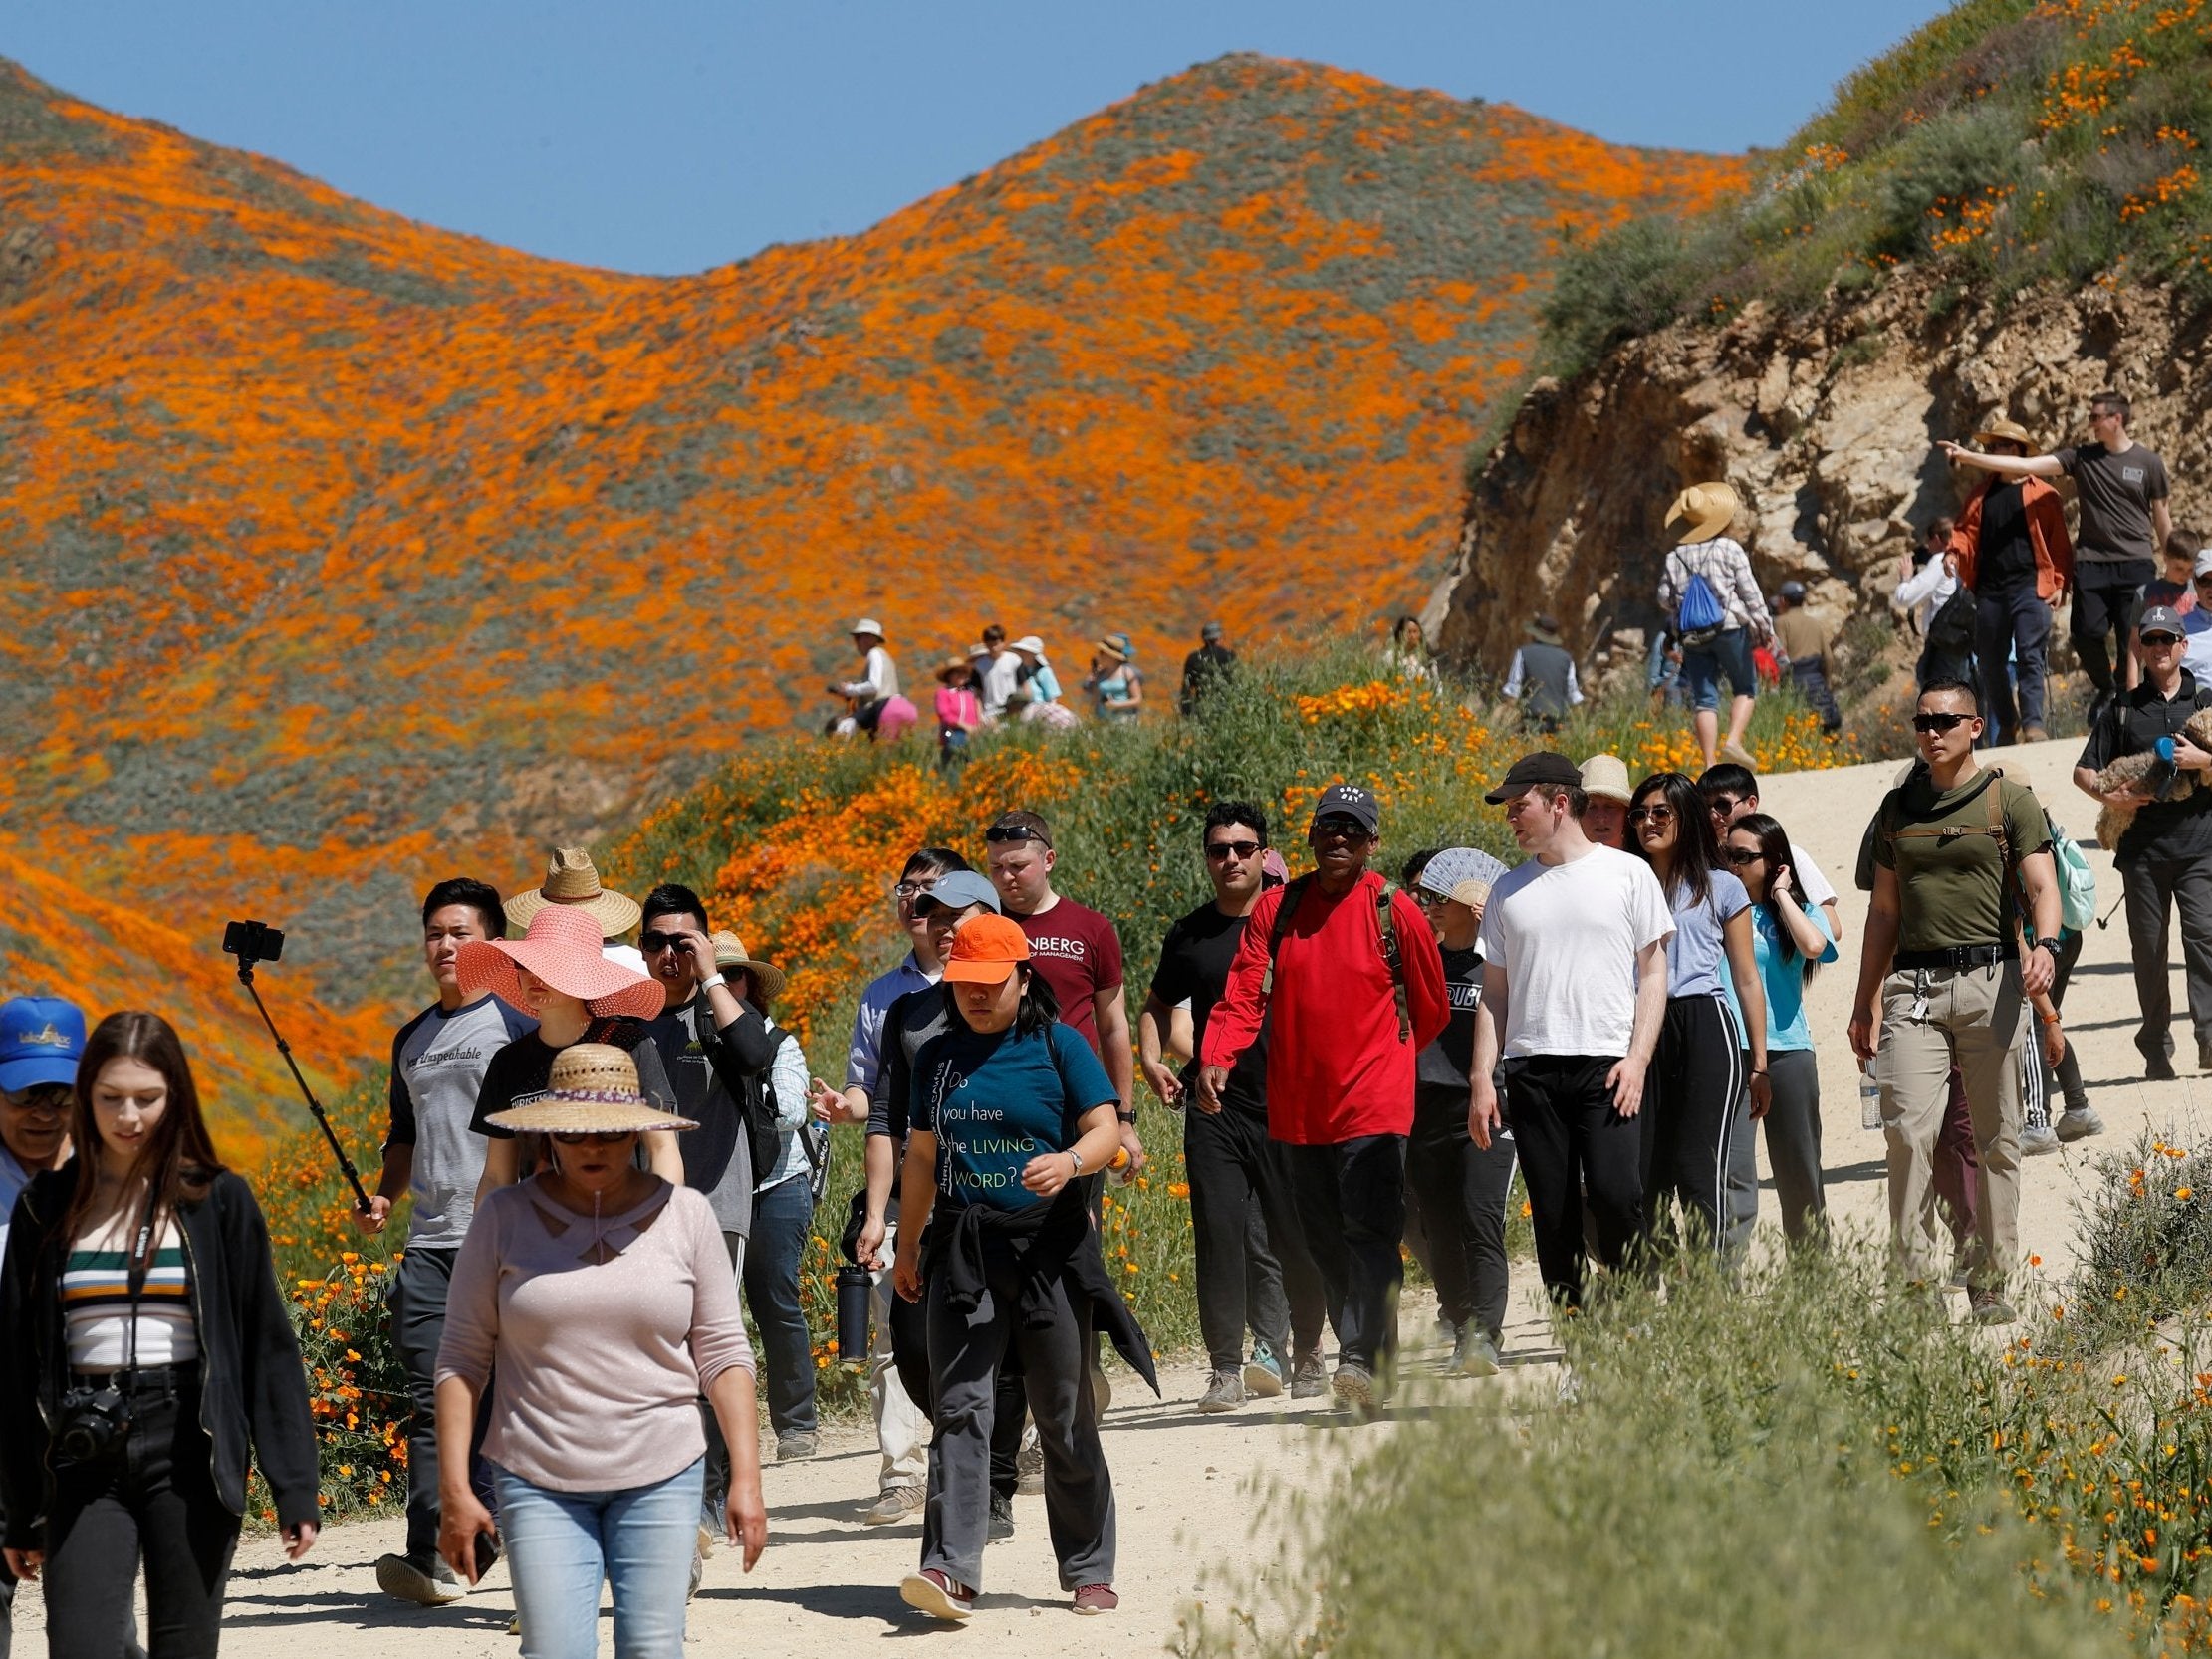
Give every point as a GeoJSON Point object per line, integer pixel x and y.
{"type": "Point", "coordinates": [560, 1545]}
{"type": "Point", "coordinates": [2013, 626]}
{"type": "Point", "coordinates": [780, 1216]}
{"type": "Point", "coordinates": [1727, 652]}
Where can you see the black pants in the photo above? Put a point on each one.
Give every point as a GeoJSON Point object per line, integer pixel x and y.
{"type": "Point", "coordinates": [2065, 1079]}
{"type": "Point", "coordinates": [1693, 1099]}
{"type": "Point", "coordinates": [1811, 680]}
{"type": "Point", "coordinates": [2155, 887]}
{"type": "Point", "coordinates": [154, 1500]}
{"type": "Point", "coordinates": [1250, 1269]}
{"type": "Point", "coordinates": [2106, 596]}
{"type": "Point", "coordinates": [965, 1357]}
{"type": "Point", "coordinates": [910, 1359]}
{"type": "Point", "coordinates": [1352, 1206]}
{"type": "Point", "coordinates": [1461, 1190]}
{"type": "Point", "coordinates": [416, 1304]}
{"type": "Point", "coordinates": [1570, 1142]}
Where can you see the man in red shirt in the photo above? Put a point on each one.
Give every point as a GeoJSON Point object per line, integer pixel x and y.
{"type": "Point", "coordinates": [1341, 1042]}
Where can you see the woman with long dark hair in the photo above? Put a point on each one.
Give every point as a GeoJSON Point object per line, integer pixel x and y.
{"type": "Point", "coordinates": [1698, 1076]}
{"type": "Point", "coordinates": [1010, 1113]}
{"type": "Point", "coordinates": [1788, 938]}
{"type": "Point", "coordinates": [149, 1353]}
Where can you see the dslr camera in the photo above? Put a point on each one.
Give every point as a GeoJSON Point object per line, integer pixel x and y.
{"type": "Point", "coordinates": [90, 1424]}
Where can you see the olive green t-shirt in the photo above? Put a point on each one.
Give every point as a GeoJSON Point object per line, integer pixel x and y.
{"type": "Point", "coordinates": [1956, 889]}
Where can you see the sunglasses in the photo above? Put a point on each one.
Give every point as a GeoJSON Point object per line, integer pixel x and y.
{"type": "Point", "coordinates": [1720, 806]}
{"type": "Point", "coordinates": [1938, 722]}
{"type": "Point", "coordinates": [1657, 814]}
{"type": "Point", "coordinates": [1218, 851]}
{"type": "Point", "coordinates": [653, 944]}
{"type": "Point", "coordinates": [1742, 855]}
{"type": "Point", "coordinates": [1000, 833]}
{"type": "Point", "coordinates": [1426, 899]}
{"type": "Point", "coordinates": [45, 1097]}
{"type": "Point", "coordinates": [2159, 639]}
{"type": "Point", "coordinates": [593, 1137]}
{"type": "Point", "coordinates": [1340, 829]}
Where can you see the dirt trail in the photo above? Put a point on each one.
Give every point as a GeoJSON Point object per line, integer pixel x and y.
{"type": "Point", "coordinates": [1185, 1484]}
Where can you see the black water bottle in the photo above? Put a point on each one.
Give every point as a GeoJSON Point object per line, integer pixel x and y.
{"type": "Point", "coordinates": [854, 1287]}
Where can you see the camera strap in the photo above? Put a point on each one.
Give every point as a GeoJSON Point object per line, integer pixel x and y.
{"type": "Point", "coordinates": [141, 1264]}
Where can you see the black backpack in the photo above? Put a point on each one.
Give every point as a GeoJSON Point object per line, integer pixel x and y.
{"type": "Point", "coordinates": [1384, 918]}
{"type": "Point", "coordinates": [1951, 627]}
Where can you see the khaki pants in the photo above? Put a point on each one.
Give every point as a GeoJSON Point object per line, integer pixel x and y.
{"type": "Point", "coordinates": [1930, 1019]}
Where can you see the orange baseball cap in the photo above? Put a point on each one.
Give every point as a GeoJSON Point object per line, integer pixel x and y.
{"type": "Point", "coordinates": [985, 951]}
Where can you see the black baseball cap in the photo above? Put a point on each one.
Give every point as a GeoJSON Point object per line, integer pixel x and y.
{"type": "Point", "coordinates": [1352, 802]}
{"type": "Point", "coordinates": [1543, 767]}
{"type": "Point", "coordinates": [2160, 618]}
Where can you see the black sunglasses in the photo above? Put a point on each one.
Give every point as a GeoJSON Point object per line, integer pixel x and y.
{"type": "Point", "coordinates": [592, 1137]}
{"type": "Point", "coordinates": [1720, 806]}
{"type": "Point", "coordinates": [1000, 833]}
{"type": "Point", "coordinates": [1941, 722]}
{"type": "Point", "coordinates": [654, 943]}
{"type": "Point", "coordinates": [1741, 856]}
{"type": "Point", "coordinates": [1217, 850]}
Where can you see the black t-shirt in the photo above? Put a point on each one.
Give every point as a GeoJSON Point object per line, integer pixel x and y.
{"type": "Point", "coordinates": [2136, 722]}
{"type": "Point", "coordinates": [1194, 962]}
{"type": "Point", "coordinates": [1201, 667]}
{"type": "Point", "coordinates": [2008, 559]}
{"type": "Point", "coordinates": [1443, 1065]}
{"type": "Point", "coordinates": [518, 1073]}
{"type": "Point", "coordinates": [909, 1023]}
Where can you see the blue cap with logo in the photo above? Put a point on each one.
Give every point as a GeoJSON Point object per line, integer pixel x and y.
{"type": "Point", "coordinates": [41, 1041]}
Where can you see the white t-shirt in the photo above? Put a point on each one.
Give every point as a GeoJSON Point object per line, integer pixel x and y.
{"type": "Point", "coordinates": [1566, 937]}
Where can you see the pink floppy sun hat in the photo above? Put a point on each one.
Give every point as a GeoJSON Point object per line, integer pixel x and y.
{"type": "Point", "coordinates": [563, 949]}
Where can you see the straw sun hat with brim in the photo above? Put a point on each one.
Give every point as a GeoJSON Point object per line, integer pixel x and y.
{"type": "Point", "coordinates": [592, 1090]}
{"type": "Point", "coordinates": [729, 952]}
{"type": "Point", "coordinates": [868, 625]}
{"type": "Point", "coordinates": [1707, 511]}
{"type": "Point", "coordinates": [2005, 431]}
{"type": "Point", "coordinates": [561, 948]}
{"type": "Point", "coordinates": [1108, 649]}
{"type": "Point", "coordinates": [573, 883]}
{"type": "Point", "coordinates": [953, 665]}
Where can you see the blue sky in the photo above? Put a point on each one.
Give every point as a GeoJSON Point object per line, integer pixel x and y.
{"type": "Point", "coordinates": [668, 136]}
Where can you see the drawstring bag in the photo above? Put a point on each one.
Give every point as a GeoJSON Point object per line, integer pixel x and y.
{"type": "Point", "coordinates": [1700, 616]}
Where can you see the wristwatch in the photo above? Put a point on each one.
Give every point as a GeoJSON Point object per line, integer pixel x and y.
{"type": "Point", "coordinates": [1120, 1116]}
{"type": "Point", "coordinates": [2051, 945]}
{"type": "Point", "coordinates": [1075, 1159]}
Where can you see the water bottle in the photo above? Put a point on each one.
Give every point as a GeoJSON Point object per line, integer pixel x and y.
{"type": "Point", "coordinates": [855, 1290]}
{"type": "Point", "coordinates": [1870, 1099]}
{"type": "Point", "coordinates": [2158, 781]}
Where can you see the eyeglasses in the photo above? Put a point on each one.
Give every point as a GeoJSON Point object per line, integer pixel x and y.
{"type": "Point", "coordinates": [1218, 851]}
{"type": "Point", "coordinates": [653, 944]}
{"type": "Point", "coordinates": [1938, 722]}
{"type": "Point", "coordinates": [913, 889]}
{"type": "Point", "coordinates": [1742, 855]}
{"type": "Point", "coordinates": [1000, 833]}
{"type": "Point", "coordinates": [592, 1137]}
{"type": "Point", "coordinates": [1656, 813]}
{"type": "Point", "coordinates": [40, 1098]}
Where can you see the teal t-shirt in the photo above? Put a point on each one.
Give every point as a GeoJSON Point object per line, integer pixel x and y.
{"type": "Point", "coordinates": [996, 1101]}
{"type": "Point", "coordinates": [1783, 978]}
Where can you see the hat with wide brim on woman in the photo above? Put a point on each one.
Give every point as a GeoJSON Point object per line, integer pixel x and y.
{"type": "Point", "coordinates": [572, 882]}
{"type": "Point", "coordinates": [1033, 645]}
{"type": "Point", "coordinates": [955, 665]}
{"type": "Point", "coordinates": [1708, 508]}
{"type": "Point", "coordinates": [1108, 649]}
{"type": "Point", "coordinates": [2005, 431]}
{"type": "Point", "coordinates": [729, 952]}
{"type": "Point", "coordinates": [561, 948]}
{"type": "Point", "coordinates": [592, 1091]}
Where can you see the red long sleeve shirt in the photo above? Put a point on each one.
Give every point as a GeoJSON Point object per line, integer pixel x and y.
{"type": "Point", "coordinates": [1336, 1069]}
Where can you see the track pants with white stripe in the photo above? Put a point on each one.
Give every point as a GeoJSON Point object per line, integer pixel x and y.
{"type": "Point", "coordinates": [1694, 1107]}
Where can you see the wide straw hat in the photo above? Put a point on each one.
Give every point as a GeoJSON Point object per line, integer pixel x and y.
{"type": "Point", "coordinates": [592, 1090]}
{"type": "Point", "coordinates": [572, 882]}
{"type": "Point", "coordinates": [1707, 508]}
{"type": "Point", "coordinates": [1606, 778]}
{"type": "Point", "coordinates": [729, 952]}
{"type": "Point", "coordinates": [986, 950]}
{"type": "Point", "coordinates": [952, 666]}
{"type": "Point", "coordinates": [2006, 431]}
{"type": "Point", "coordinates": [563, 949]}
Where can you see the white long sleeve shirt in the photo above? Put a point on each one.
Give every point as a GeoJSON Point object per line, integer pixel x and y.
{"type": "Point", "coordinates": [1923, 592]}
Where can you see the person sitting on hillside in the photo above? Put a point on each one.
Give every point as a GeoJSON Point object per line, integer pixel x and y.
{"type": "Point", "coordinates": [1208, 666]}
{"type": "Point", "coordinates": [1407, 656]}
{"type": "Point", "coordinates": [1804, 644]}
{"type": "Point", "coordinates": [1708, 574]}
{"type": "Point", "coordinates": [872, 701]}
{"type": "Point", "coordinates": [2013, 554]}
{"type": "Point", "coordinates": [1544, 669]}
{"type": "Point", "coordinates": [1116, 688]}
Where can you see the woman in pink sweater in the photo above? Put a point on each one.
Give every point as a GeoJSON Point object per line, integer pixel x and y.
{"type": "Point", "coordinates": [597, 1300]}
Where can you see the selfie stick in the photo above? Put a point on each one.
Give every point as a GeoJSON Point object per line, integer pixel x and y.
{"type": "Point", "coordinates": [322, 1119]}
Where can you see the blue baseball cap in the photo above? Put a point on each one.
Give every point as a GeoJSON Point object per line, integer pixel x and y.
{"type": "Point", "coordinates": [957, 889]}
{"type": "Point", "coordinates": [41, 1041]}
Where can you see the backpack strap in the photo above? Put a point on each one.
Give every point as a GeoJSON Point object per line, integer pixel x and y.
{"type": "Point", "coordinates": [1293, 891]}
{"type": "Point", "coordinates": [1385, 919]}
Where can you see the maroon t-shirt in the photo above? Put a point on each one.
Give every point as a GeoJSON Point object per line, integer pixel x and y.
{"type": "Point", "coordinates": [1080, 955]}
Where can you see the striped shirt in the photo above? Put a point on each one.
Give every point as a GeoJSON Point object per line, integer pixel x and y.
{"type": "Point", "coordinates": [95, 1307]}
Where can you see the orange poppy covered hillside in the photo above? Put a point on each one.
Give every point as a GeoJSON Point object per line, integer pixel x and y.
{"type": "Point", "coordinates": [341, 550]}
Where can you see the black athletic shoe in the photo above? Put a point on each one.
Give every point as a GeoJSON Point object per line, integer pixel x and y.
{"type": "Point", "coordinates": [1002, 1517]}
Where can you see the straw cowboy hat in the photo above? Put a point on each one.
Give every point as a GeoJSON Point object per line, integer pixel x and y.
{"type": "Point", "coordinates": [729, 952]}
{"type": "Point", "coordinates": [592, 1090]}
{"type": "Point", "coordinates": [1544, 629]}
{"type": "Point", "coordinates": [1108, 649]}
{"type": "Point", "coordinates": [563, 949]}
{"type": "Point", "coordinates": [1606, 778]}
{"type": "Point", "coordinates": [1710, 510]}
{"type": "Point", "coordinates": [572, 882]}
{"type": "Point", "coordinates": [952, 666]}
{"type": "Point", "coordinates": [2005, 431]}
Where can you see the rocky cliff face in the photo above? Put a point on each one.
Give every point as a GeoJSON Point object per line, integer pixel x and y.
{"type": "Point", "coordinates": [1827, 427]}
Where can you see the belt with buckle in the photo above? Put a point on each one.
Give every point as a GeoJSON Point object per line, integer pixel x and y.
{"type": "Point", "coordinates": [1951, 956]}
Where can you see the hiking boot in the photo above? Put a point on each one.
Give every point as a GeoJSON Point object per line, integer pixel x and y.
{"type": "Point", "coordinates": [2038, 1139]}
{"type": "Point", "coordinates": [1002, 1517]}
{"type": "Point", "coordinates": [2034, 734]}
{"type": "Point", "coordinates": [2204, 1054]}
{"type": "Point", "coordinates": [1263, 1373]}
{"type": "Point", "coordinates": [1224, 1392]}
{"type": "Point", "coordinates": [1102, 1393]}
{"type": "Point", "coordinates": [1096, 1598]}
{"type": "Point", "coordinates": [1354, 1386]}
{"type": "Point", "coordinates": [1029, 1469]}
{"type": "Point", "coordinates": [427, 1583]}
{"type": "Point", "coordinates": [2078, 1123]}
{"type": "Point", "coordinates": [1310, 1379]}
{"type": "Point", "coordinates": [1985, 1306]}
{"type": "Point", "coordinates": [895, 1506]}
{"type": "Point", "coordinates": [1475, 1354]}
{"type": "Point", "coordinates": [795, 1448]}
{"type": "Point", "coordinates": [933, 1594]}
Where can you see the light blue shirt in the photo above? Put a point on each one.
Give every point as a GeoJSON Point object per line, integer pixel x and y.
{"type": "Point", "coordinates": [866, 1056]}
{"type": "Point", "coordinates": [2196, 653]}
{"type": "Point", "coordinates": [1698, 953]}
{"type": "Point", "coordinates": [1782, 973]}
